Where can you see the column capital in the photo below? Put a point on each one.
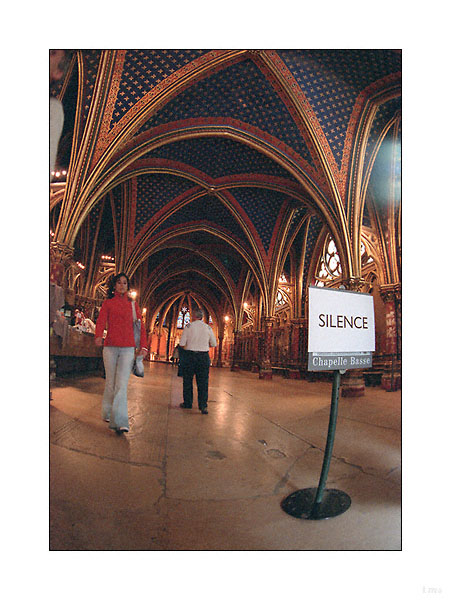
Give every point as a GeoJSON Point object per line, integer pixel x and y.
{"type": "Point", "coordinates": [353, 284]}
{"type": "Point", "coordinates": [61, 260]}
{"type": "Point", "coordinates": [268, 320]}
{"type": "Point", "coordinates": [390, 292]}
{"type": "Point", "coordinates": [60, 252]}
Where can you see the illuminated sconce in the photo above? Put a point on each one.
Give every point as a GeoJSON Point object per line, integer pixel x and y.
{"type": "Point", "coordinates": [226, 318]}
{"type": "Point", "coordinates": [245, 305]}
{"type": "Point", "coordinates": [144, 311]}
{"type": "Point", "coordinates": [133, 294]}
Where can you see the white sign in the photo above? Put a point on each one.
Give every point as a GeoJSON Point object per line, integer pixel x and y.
{"type": "Point", "coordinates": [340, 321]}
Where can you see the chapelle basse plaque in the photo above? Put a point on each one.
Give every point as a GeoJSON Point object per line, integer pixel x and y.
{"type": "Point", "coordinates": [341, 333]}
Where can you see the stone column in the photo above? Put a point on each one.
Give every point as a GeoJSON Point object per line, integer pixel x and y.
{"type": "Point", "coordinates": [61, 265]}
{"type": "Point", "coordinates": [235, 352]}
{"type": "Point", "coordinates": [391, 376]}
{"type": "Point", "coordinates": [255, 354]}
{"type": "Point", "coordinates": [149, 345]}
{"type": "Point", "coordinates": [294, 372]}
{"type": "Point", "coordinates": [61, 258]}
{"type": "Point", "coordinates": [158, 345]}
{"type": "Point", "coordinates": [265, 368]}
{"type": "Point", "coordinates": [219, 361]}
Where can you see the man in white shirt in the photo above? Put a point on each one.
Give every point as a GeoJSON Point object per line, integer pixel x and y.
{"type": "Point", "coordinates": [197, 338]}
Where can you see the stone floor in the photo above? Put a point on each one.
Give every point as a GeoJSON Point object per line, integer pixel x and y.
{"type": "Point", "coordinates": [185, 481]}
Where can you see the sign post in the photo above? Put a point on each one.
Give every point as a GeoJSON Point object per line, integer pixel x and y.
{"type": "Point", "coordinates": [341, 336]}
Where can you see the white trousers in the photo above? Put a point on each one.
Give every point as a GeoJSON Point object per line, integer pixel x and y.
{"type": "Point", "coordinates": [118, 366]}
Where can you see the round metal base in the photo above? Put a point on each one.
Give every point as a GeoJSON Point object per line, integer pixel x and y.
{"type": "Point", "coordinates": [300, 504]}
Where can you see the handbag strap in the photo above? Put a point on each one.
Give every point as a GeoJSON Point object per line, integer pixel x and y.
{"type": "Point", "coordinates": [135, 320]}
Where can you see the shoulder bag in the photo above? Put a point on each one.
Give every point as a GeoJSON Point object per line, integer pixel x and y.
{"type": "Point", "coordinates": [138, 366]}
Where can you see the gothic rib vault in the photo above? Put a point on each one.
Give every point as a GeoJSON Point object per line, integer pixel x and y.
{"type": "Point", "coordinates": [212, 175]}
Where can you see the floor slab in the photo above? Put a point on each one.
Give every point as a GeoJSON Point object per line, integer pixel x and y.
{"type": "Point", "coordinates": [181, 480]}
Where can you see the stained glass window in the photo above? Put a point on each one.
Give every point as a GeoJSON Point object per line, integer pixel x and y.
{"type": "Point", "coordinates": [183, 318]}
{"type": "Point", "coordinates": [329, 267]}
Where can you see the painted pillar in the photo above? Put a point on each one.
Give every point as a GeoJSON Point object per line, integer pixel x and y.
{"type": "Point", "coordinates": [61, 257]}
{"type": "Point", "coordinates": [265, 368]}
{"type": "Point", "coordinates": [158, 345]}
{"type": "Point", "coordinates": [391, 376]}
{"type": "Point", "coordinates": [257, 356]}
{"type": "Point", "coordinates": [236, 341]}
{"type": "Point", "coordinates": [149, 345]}
{"type": "Point", "coordinates": [219, 361]}
{"type": "Point", "coordinates": [295, 353]}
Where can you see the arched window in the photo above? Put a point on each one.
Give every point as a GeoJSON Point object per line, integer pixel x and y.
{"type": "Point", "coordinates": [364, 256]}
{"type": "Point", "coordinates": [329, 267]}
{"type": "Point", "coordinates": [281, 299]}
{"type": "Point", "coordinates": [283, 292]}
{"type": "Point", "coordinates": [183, 318]}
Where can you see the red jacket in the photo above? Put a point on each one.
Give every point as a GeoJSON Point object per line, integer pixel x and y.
{"type": "Point", "coordinates": [116, 314]}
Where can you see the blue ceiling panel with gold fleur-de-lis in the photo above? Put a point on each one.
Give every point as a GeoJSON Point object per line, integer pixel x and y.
{"type": "Point", "coordinates": [220, 157]}
{"type": "Point", "coordinates": [95, 216]}
{"type": "Point", "coordinates": [332, 80]}
{"type": "Point", "coordinates": [91, 60]}
{"type": "Point", "coordinates": [233, 266]}
{"type": "Point", "coordinates": [154, 191]}
{"type": "Point", "coordinates": [205, 209]}
{"type": "Point", "coordinates": [262, 207]}
{"type": "Point", "coordinates": [241, 92]}
{"type": "Point", "coordinates": [384, 113]}
{"type": "Point", "coordinates": [296, 218]}
{"type": "Point", "coordinates": [116, 194]}
{"type": "Point", "coordinates": [144, 69]}
{"type": "Point", "coordinates": [311, 229]}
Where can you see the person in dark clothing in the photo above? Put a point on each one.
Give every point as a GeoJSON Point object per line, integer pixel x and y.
{"type": "Point", "coordinates": [197, 338]}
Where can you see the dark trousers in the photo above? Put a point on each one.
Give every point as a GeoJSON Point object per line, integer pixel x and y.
{"type": "Point", "coordinates": [198, 364]}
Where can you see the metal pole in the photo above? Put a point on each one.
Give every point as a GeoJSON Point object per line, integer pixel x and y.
{"type": "Point", "coordinates": [329, 444]}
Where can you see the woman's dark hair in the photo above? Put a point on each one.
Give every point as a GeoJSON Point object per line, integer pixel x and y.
{"type": "Point", "coordinates": [112, 284]}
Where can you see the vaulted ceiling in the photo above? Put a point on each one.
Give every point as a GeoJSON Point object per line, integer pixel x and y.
{"type": "Point", "coordinates": [212, 171]}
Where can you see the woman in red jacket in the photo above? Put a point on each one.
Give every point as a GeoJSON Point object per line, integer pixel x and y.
{"type": "Point", "coordinates": [116, 314]}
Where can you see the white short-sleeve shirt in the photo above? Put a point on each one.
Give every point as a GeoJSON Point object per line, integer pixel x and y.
{"type": "Point", "coordinates": [198, 337]}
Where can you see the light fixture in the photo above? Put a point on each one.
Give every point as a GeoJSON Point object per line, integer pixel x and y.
{"type": "Point", "coordinates": [133, 294]}
{"type": "Point", "coordinates": [245, 305]}
{"type": "Point", "coordinates": [226, 318]}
